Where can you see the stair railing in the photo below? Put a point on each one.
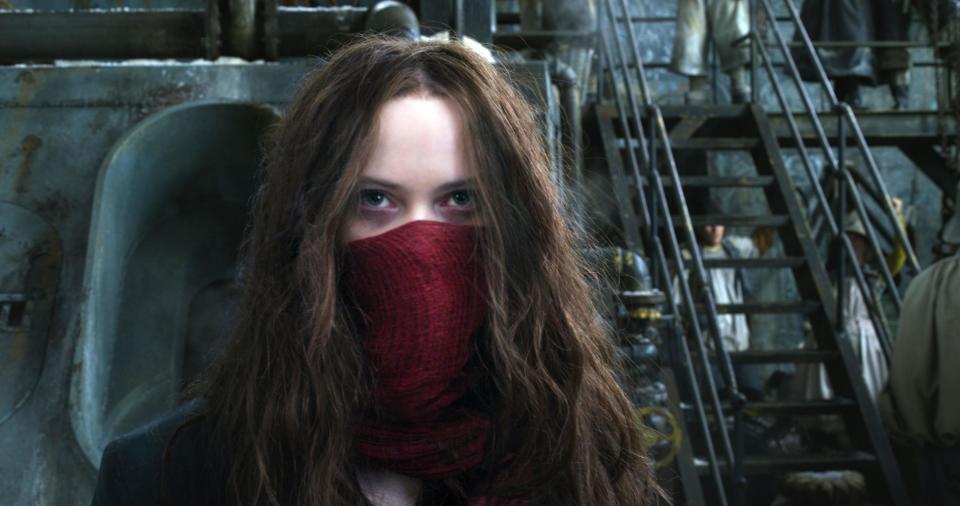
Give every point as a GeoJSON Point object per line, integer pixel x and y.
{"type": "Point", "coordinates": [835, 163]}
{"type": "Point", "coordinates": [642, 154]}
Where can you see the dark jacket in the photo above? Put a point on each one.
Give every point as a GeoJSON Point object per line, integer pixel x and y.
{"type": "Point", "coordinates": [132, 470]}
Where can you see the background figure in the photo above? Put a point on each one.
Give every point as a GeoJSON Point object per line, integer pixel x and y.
{"type": "Point", "coordinates": [860, 331]}
{"type": "Point", "coordinates": [732, 286]}
{"type": "Point", "coordinates": [892, 22]}
{"type": "Point", "coordinates": [724, 20]}
{"type": "Point", "coordinates": [919, 404]}
{"type": "Point", "coordinates": [851, 67]}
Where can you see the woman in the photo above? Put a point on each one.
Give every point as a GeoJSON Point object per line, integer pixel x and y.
{"type": "Point", "coordinates": [416, 326]}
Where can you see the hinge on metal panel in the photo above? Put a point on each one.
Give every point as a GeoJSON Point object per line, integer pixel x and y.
{"type": "Point", "coordinates": [14, 314]}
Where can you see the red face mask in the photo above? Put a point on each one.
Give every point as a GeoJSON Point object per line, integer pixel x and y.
{"type": "Point", "coordinates": [418, 296]}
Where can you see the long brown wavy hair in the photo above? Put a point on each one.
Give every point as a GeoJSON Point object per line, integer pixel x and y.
{"type": "Point", "coordinates": [282, 396]}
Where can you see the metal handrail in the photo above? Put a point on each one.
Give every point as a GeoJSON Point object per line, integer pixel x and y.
{"type": "Point", "coordinates": [851, 120]}
{"type": "Point", "coordinates": [649, 214]}
{"type": "Point", "coordinates": [642, 153]}
{"type": "Point", "coordinates": [821, 199]}
{"type": "Point", "coordinates": [726, 368]}
{"type": "Point", "coordinates": [845, 117]}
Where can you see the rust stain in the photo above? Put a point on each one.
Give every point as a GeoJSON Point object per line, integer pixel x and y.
{"type": "Point", "coordinates": [28, 149]}
{"type": "Point", "coordinates": [170, 93]}
{"type": "Point", "coordinates": [53, 208]}
{"type": "Point", "coordinates": [25, 78]}
{"type": "Point", "coordinates": [27, 84]}
{"type": "Point", "coordinates": [99, 121]}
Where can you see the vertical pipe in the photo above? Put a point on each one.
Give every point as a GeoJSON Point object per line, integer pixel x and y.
{"type": "Point", "coordinates": [652, 230]}
{"type": "Point", "coordinates": [754, 40]}
{"type": "Point", "coordinates": [739, 482]}
{"type": "Point", "coordinates": [842, 226]}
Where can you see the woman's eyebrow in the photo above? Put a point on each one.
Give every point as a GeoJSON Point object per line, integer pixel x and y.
{"type": "Point", "coordinates": [380, 182]}
{"type": "Point", "coordinates": [460, 183]}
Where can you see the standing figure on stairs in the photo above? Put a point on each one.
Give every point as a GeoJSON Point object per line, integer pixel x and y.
{"type": "Point", "coordinates": [860, 330]}
{"type": "Point", "coordinates": [732, 286]}
{"type": "Point", "coordinates": [851, 67]}
{"type": "Point", "coordinates": [725, 21]}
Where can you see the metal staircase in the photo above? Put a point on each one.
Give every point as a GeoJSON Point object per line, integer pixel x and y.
{"type": "Point", "coordinates": [645, 147]}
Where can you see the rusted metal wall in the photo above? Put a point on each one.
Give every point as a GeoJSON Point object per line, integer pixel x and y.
{"type": "Point", "coordinates": [57, 126]}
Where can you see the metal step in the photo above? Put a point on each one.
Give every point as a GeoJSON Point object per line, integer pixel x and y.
{"type": "Point", "coordinates": [721, 181]}
{"type": "Point", "coordinates": [779, 307]}
{"type": "Point", "coordinates": [753, 263]}
{"type": "Point", "coordinates": [702, 144]}
{"type": "Point", "coordinates": [749, 263]}
{"type": "Point", "coordinates": [783, 356]}
{"type": "Point", "coordinates": [711, 110]}
{"type": "Point", "coordinates": [795, 408]}
{"type": "Point", "coordinates": [776, 464]}
{"type": "Point", "coordinates": [737, 220]}
{"type": "Point", "coordinates": [715, 144]}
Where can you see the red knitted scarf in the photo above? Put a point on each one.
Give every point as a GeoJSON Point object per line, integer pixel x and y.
{"type": "Point", "coordinates": [418, 292]}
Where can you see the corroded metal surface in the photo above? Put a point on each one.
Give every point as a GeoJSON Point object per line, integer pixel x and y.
{"type": "Point", "coordinates": [57, 126]}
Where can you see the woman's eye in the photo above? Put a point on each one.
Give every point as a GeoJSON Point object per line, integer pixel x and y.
{"type": "Point", "coordinates": [374, 198]}
{"type": "Point", "coordinates": [460, 198]}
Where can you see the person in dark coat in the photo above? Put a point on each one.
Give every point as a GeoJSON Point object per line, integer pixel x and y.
{"type": "Point", "coordinates": [416, 325]}
{"type": "Point", "coordinates": [852, 67]}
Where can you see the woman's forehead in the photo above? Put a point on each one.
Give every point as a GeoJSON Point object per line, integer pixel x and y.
{"type": "Point", "coordinates": [418, 138]}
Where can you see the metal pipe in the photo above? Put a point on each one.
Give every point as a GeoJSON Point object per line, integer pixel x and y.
{"type": "Point", "coordinates": [541, 38]}
{"type": "Point", "coordinates": [843, 44]}
{"type": "Point", "coordinates": [571, 131]}
{"type": "Point", "coordinates": [309, 30]}
{"type": "Point", "coordinates": [240, 29]}
{"type": "Point", "coordinates": [653, 229]}
{"type": "Point", "coordinates": [754, 42]}
{"type": "Point", "coordinates": [840, 324]}
{"type": "Point", "coordinates": [395, 18]}
{"type": "Point", "coordinates": [173, 33]}
{"type": "Point", "coordinates": [101, 34]}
